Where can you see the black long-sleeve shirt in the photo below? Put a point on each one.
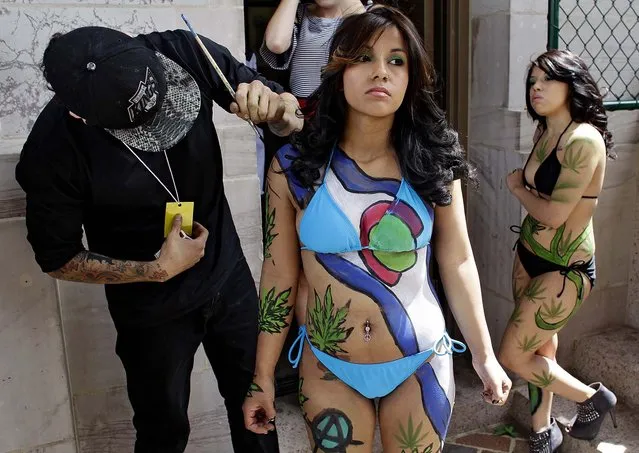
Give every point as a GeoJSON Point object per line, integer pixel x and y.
{"type": "Point", "coordinates": [77, 176]}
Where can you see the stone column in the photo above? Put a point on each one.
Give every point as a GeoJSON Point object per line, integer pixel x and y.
{"type": "Point", "coordinates": [506, 36]}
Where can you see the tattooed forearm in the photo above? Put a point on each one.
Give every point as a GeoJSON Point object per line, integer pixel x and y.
{"type": "Point", "coordinates": [274, 311]}
{"type": "Point", "coordinates": [89, 267]}
{"type": "Point", "coordinates": [269, 235]}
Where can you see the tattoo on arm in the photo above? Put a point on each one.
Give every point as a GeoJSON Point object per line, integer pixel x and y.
{"type": "Point", "coordinates": [274, 311]}
{"type": "Point", "coordinates": [574, 159]}
{"type": "Point", "coordinates": [559, 196]}
{"type": "Point", "coordinates": [89, 267]}
{"type": "Point", "coordinates": [269, 227]}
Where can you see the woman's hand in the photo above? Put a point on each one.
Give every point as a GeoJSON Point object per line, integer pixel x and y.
{"type": "Point", "coordinates": [259, 405]}
{"type": "Point", "coordinates": [515, 179]}
{"type": "Point", "coordinates": [497, 384]}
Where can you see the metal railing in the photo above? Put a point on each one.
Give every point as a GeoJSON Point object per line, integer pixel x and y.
{"type": "Point", "coordinates": [605, 33]}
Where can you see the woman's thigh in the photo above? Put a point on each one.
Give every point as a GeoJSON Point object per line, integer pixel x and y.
{"type": "Point", "coordinates": [338, 419]}
{"type": "Point", "coordinates": [411, 416]}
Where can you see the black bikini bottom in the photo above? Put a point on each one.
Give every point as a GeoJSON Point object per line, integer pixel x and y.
{"type": "Point", "coordinates": [535, 266]}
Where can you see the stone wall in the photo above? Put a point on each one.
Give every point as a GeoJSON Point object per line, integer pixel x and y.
{"type": "Point", "coordinates": [506, 36]}
{"type": "Point", "coordinates": [62, 389]}
{"type": "Point", "coordinates": [632, 307]}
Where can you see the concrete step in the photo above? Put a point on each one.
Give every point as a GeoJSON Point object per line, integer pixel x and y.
{"type": "Point", "coordinates": [470, 413]}
{"type": "Point", "coordinates": [624, 439]}
{"type": "Point", "coordinates": [611, 357]}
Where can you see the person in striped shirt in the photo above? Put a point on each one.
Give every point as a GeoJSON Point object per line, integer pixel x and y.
{"type": "Point", "coordinates": [298, 37]}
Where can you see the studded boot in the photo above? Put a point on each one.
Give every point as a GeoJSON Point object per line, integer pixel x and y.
{"type": "Point", "coordinates": [591, 413]}
{"type": "Point", "coordinates": [547, 441]}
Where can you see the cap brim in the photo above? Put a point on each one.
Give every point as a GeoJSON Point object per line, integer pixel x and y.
{"type": "Point", "coordinates": [174, 119]}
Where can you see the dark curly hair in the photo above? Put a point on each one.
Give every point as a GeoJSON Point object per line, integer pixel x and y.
{"type": "Point", "coordinates": [586, 101]}
{"type": "Point", "coordinates": [427, 148]}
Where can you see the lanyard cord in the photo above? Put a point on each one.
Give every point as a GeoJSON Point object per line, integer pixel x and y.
{"type": "Point", "coordinates": [176, 197]}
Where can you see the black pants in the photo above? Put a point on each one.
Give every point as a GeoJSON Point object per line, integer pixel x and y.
{"type": "Point", "coordinates": [158, 362]}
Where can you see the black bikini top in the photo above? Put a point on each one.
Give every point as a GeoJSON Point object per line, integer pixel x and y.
{"type": "Point", "coordinates": [547, 174]}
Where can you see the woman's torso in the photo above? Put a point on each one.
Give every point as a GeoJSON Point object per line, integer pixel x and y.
{"type": "Point", "coordinates": [387, 289]}
{"type": "Point", "coordinates": [574, 240]}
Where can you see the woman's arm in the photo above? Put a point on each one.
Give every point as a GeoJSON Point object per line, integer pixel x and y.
{"type": "Point", "coordinates": [280, 271]}
{"type": "Point", "coordinates": [278, 288]}
{"type": "Point", "coordinates": [459, 275]}
{"type": "Point", "coordinates": [279, 30]}
{"type": "Point", "coordinates": [578, 165]}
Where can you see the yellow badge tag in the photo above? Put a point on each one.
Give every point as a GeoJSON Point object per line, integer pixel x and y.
{"type": "Point", "coordinates": [185, 208]}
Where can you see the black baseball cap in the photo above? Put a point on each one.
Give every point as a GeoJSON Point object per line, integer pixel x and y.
{"type": "Point", "coordinates": [114, 81]}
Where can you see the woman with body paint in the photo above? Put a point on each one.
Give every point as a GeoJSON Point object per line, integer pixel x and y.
{"type": "Point", "coordinates": [554, 268]}
{"type": "Point", "coordinates": [370, 189]}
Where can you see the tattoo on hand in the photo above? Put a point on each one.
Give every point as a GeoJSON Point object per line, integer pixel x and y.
{"type": "Point", "coordinates": [253, 388]}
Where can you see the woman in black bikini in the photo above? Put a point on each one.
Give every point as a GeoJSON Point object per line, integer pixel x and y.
{"type": "Point", "coordinates": [554, 268]}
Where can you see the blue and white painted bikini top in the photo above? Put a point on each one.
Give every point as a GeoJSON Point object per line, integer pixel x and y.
{"type": "Point", "coordinates": [394, 217]}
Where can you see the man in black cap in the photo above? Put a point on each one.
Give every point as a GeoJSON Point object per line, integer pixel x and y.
{"type": "Point", "coordinates": [126, 151]}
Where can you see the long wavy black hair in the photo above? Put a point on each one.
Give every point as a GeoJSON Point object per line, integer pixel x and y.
{"type": "Point", "coordinates": [585, 99]}
{"type": "Point", "coordinates": [428, 149]}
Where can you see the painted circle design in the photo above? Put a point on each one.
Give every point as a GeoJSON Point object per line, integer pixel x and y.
{"type": "Point", "coordinates": [391, 230]}
{"type": "Point", "coordinates": [332, 431]}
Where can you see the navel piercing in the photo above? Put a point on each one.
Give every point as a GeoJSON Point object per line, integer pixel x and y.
{"type": "Point", "coordinates": [367, 331]}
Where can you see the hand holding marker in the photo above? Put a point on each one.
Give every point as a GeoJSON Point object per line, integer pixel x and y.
{"type": "Point", "coordinates": [216, 68]}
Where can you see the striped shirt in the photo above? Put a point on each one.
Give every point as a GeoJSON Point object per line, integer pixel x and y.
{"type": "Point", "coordinates": [308, 54]}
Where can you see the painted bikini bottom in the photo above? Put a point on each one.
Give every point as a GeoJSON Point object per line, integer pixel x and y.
{"type": "Point", "coordinates": [373, 380]}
